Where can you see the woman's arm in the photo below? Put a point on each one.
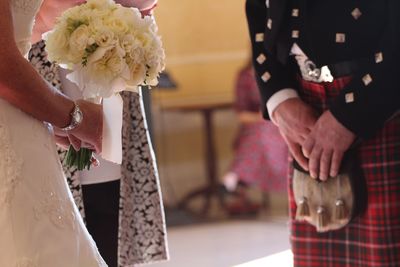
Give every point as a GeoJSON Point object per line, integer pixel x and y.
{"type": "Point", "coordinates": [22, 86]}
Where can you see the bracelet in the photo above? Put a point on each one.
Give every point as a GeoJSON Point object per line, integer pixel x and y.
{"type": "Point", "coordinates": [76, 118]}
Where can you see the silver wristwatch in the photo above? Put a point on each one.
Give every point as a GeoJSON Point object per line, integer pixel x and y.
{"type": "Point", "coordinates": [76, 118]}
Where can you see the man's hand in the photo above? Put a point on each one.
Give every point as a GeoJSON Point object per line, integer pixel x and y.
{"type": "Point", "coordinates": [295, 120]}
{"type": "Point", "coordinates": [326, 145]}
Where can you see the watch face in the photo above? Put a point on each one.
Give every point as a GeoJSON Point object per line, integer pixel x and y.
{"type": "Point", "coordinates": [78, 116]}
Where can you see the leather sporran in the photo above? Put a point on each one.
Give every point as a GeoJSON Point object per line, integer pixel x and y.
{"type": "Point", "coordinates": [332, 204]}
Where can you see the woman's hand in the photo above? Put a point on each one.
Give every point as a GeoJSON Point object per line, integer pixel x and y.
{"type": "Point", "coordinates": [142, 5]}
{"type": "Point", "coordinates": [61, 138]}
{"type": "Point", "coordinates": [89, 132]}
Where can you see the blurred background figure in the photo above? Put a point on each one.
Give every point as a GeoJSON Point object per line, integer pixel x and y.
{"type": "Point", "coordinates": [260, 153]}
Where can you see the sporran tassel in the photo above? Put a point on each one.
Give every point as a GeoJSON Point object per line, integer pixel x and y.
{"type": "Point", "coordinates": [340, 210]}
{"type": "Point", "coordinates": [303, 211]}
{"type": "Point", "coordinates": [321, 219]}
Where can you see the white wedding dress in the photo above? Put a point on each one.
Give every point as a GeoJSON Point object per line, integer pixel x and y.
{"type": "Point", "coordinates": [39, 223]}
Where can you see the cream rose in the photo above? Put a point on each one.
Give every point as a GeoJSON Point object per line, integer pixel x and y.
{"type": "Point", "coordinates": [137, 74]}
{"type": "Point", "coordinates": [118, 25]}
{"type": "Point", "coordinates": [57, 43]}
{"type": "Point", "coordinates": [79, 39]}
{"type": "Point", "coordinates": [105, 38]}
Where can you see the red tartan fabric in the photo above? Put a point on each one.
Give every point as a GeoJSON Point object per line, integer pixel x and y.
{"type": "Point", "coordinates": [372, 239]}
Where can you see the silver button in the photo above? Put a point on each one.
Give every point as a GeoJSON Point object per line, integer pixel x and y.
{"type": "Point", "coordinates": [259, 37]}
{"type": "Point", "coordinates": [266, 76]}
{"type": "Point", "coordinates": [295, 12]}
{"type": "Point", "coordinates": [269, 24]}
{"type": "Point", "coordinates": [340, 38]}
{"type": "Point", "coordinates": [261, 59]}
{"type": "Point", "coordinates": [295, 34]}
{"type": "Point", "coordinates": [356, 13]}
{"type": "Point", "coordinates": [349, 97]}
{"type": "Point", "coordinates": [267, 3]}
{"type": "Point", "coordinates": [367, 79]}
{"type": "Point", "coordinates": [379, 57]}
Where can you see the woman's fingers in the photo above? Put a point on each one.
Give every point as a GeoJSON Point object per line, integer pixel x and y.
{"type": "Point", "coordinates": [75, 142]}
{"type": "Point", "coordinates": [62, 141]}
{"type": "Point", "coordinates": [88, 146]}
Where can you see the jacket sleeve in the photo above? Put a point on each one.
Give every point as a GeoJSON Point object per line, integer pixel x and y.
{"type": "Point", "coordinates": [271, 75]}
{"type": "Point", "coordinates": [373, 96]}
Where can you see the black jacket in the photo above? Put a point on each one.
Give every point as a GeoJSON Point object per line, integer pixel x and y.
{"type": "Point", "coordinates": [374, 29]}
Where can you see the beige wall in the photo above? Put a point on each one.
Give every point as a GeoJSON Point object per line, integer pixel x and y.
{"type": "Point", "coordinates": [206, 43]}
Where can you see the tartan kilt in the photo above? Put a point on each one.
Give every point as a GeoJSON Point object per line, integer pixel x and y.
{"type": "Point", "coordinates": [372, 239]}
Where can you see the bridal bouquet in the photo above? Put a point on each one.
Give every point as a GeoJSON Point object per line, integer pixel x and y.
{"type": "Point", "coordinates": [109, 49]}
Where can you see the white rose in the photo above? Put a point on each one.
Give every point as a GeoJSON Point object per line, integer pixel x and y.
{"type": "Point", "coordinates": [105, 38]}
{"type": "Point", "coordinates": [135, 50]}
{"type": "Point", "coordinates": [116, 64]}
{"type": "Point", "coordinates": [79, 39]}
{"type": "Point", "coordinates": [117, 24]}
{"type": "Point", "coordinates": [104, 67]}
{"type": "Point", "coordinates": [99, 4]}
{"type": "Point", "coordinates": [129, 15]}
{"type": "Point", "coordinates": [137, 74]}
{"type": "Point", "coordinates": [127, 43]}
{"type": "Point", "coordinates": [56, 44]}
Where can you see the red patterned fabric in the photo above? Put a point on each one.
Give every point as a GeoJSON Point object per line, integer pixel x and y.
{"type": "Point", "coordinates": [247, 96]}
{"type": "Point", "coordinates": [260, 152]}
{"type": "Point", "coordinates": [372, 239]}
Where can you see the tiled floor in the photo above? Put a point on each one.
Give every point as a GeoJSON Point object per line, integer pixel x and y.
{"type": "Point", "coordinates": [229, 244]}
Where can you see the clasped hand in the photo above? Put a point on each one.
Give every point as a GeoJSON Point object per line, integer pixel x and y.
{"type": "Point", "coordinates": [318, 144]}
{"type": "Point", "coordinates": [88, 134]}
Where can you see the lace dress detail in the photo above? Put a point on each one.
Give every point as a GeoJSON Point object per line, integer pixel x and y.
{"type": "Point", "coordinates": [58, 210]}
{"type": "Point", "coordinates": [10, 167]}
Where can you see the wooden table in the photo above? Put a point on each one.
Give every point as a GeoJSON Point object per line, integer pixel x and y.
{"type": "Point", "coordinates": [210, 156]}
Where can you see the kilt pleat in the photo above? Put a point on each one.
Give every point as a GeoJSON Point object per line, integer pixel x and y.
{"type": "Point", "coordinates": [372, 239]}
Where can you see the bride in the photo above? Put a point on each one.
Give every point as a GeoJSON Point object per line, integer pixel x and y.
{"type": "Point", "coordinates": [40, 226]}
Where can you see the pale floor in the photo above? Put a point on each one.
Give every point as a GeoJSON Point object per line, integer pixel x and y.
{"type": "Point", "coordinates": [257, 243]}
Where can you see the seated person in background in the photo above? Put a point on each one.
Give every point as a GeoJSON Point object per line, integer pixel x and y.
{"type": "Point", "coordinates": [260, 152]}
